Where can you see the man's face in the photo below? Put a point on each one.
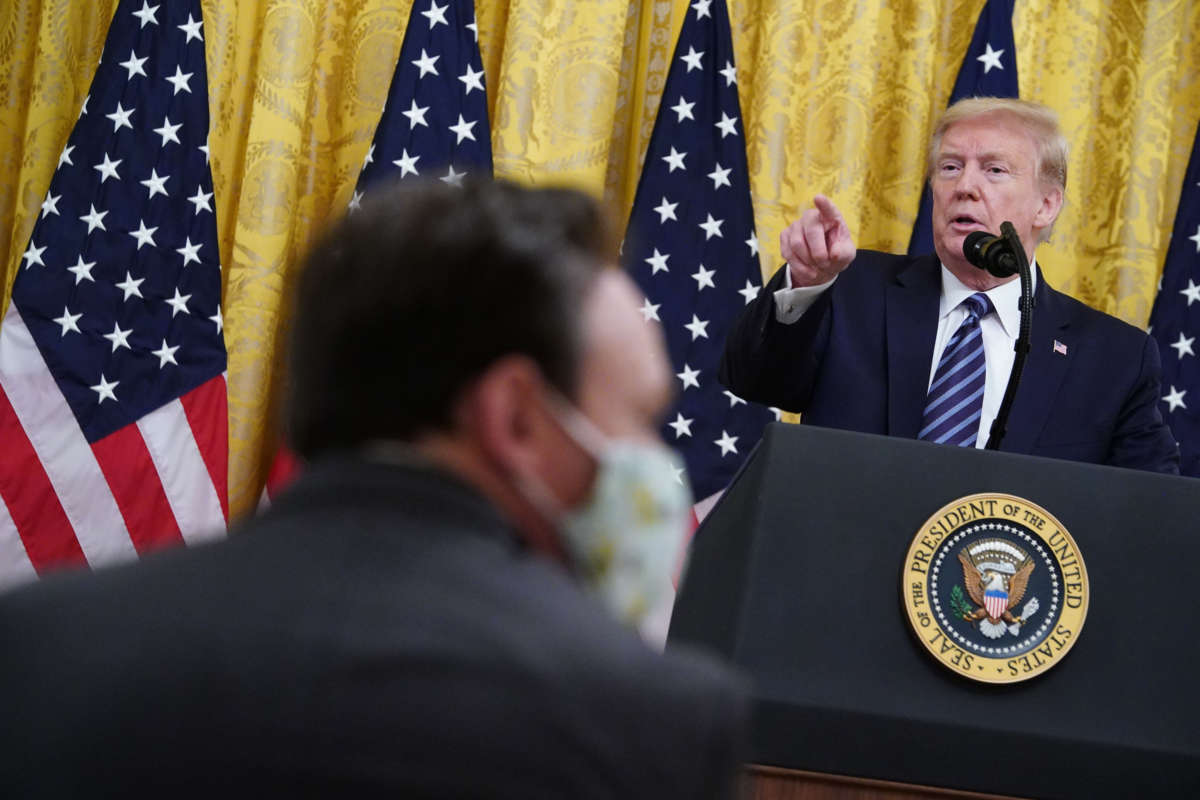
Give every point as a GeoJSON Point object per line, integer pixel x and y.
{"type": "Point", "coordinates": [985, 173]}
{"type": "Point", "coordinates": [625, 385]}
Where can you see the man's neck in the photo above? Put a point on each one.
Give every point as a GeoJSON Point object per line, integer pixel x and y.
{"type": "Point", "coordinates": [975, 278]}
{"type": "Point", "coordinates": [471, 466]}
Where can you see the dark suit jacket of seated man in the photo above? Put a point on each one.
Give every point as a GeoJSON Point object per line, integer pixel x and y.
{"type": "Point", "coordinates": [858, 355]}
{"type": "Point", "coordinates": [411, 617]}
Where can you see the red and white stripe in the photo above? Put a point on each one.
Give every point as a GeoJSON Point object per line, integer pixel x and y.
{"type": "Point", "coordinates": [996, 604]}
{"type": "Point", "coordinates": [68, 503]}
{"type": "Point", "coordinates": [285, 468]}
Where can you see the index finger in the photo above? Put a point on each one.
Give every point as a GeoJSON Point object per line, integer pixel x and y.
{"type": "Point", "coordinates": [829, 212]}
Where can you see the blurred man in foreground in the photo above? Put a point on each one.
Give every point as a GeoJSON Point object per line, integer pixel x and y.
{"type": "Point", "coordinates": [922, 347]}
{"type": "Point", "coordinates": [429, 610]}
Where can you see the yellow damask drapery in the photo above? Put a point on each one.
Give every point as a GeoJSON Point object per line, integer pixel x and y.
{"type": "Point", "coordinates": [838, 96]}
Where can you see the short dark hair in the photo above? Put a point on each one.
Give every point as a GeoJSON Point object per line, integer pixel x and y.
{"type": "Point", "coordinates": [401, 304]}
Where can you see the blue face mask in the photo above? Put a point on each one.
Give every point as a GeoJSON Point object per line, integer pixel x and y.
{"type": "Point", "coordinates": [627, 539]}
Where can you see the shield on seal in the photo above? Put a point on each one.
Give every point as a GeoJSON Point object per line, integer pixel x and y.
{"type": "Point", "coordinates": [996, 602]}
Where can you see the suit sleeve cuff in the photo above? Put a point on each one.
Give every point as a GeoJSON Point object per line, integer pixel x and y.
{"type": "Point", "coordinates": [791, 302]}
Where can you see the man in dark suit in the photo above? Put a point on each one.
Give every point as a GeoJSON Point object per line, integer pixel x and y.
{"type": "Point", "coordinates": [922, 347]}
{"type": "Point", "coordinates": [422, 613]}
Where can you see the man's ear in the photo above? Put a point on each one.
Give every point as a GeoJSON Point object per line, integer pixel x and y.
{"type": "Point", "coordinates": [507, 414]}
{"type": "Point", "coordinates": [504, 411]}
{"type": "Point", "coordinates": [1052, 202]}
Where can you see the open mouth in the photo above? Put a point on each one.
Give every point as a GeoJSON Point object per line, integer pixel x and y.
{"type": "Point", "coordinates": [966, 222]}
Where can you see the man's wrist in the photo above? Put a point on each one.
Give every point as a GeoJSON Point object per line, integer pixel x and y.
{"type": "Point", "coordinates": [792, 301]}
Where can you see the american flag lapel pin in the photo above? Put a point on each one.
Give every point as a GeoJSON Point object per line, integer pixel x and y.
{"type": "Point", "coordinates": [1060, 348]}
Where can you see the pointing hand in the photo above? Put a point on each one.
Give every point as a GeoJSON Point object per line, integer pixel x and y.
{"type": "Point", "coordinates": [818, 245]}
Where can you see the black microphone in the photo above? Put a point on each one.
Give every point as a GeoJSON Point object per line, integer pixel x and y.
{"type": "Point", "coordinates": [993, 253]}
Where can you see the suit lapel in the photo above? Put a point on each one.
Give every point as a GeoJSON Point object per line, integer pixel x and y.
{"type": "Point", "coordinates": [1052, 347]}
{"type": "Point", "coordinates": [913, 302]}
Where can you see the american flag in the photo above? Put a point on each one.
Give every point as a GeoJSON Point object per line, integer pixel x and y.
{"type": "Point", "coordinates": [434, 124]}
{"type": "Point", "coordinates": [988, 70]}
{"type": "Point", "coordinates": [435, 121]}
{"type": "Point", "coordinates": [691, 245]}
{"type": "Point", "coordinates": [112, 358]}
{"type": "Point", "coordinates": [1174, 321]}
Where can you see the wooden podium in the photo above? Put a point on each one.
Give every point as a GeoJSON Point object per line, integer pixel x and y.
{"type": "Point", "coordinates": [774, 783]}
{"type": "Point", "coordinates": [795, 577]}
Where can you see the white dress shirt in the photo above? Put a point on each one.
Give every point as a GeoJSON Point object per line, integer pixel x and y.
{"type": "Point", "coordinates": [999, 330]}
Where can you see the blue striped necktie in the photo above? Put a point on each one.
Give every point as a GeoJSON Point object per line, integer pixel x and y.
{"type": "Point", "coordinates": [955, 399]}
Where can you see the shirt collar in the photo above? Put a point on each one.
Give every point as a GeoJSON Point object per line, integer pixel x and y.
{"type": "Point", "coordinates": [1004, 298]}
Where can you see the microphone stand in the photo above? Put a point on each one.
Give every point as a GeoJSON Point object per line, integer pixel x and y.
{"type": "Point", "coordinates": [1021, 347]}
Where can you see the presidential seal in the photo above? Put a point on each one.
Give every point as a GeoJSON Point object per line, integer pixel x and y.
{"type": "Point", "coordinates": [995, 588]}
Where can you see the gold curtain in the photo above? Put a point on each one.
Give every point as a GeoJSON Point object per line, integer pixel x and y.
{"type": "Point", "coordinates": [838, 96]}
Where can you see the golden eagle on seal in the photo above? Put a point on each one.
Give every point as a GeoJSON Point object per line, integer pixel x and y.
{"type": "Point", "coordinates": [996, 574]}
